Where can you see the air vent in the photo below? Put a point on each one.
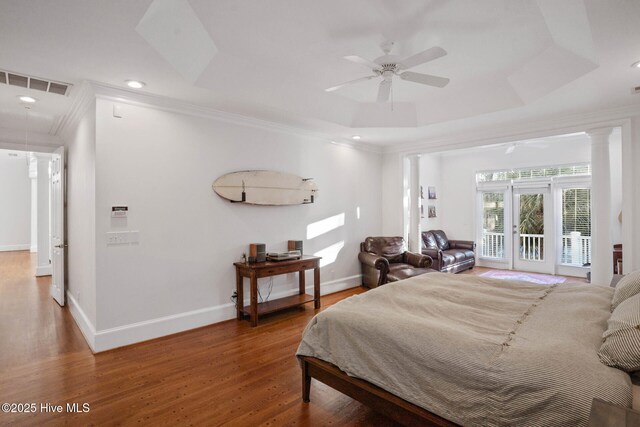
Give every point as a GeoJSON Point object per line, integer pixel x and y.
{"type": "Point", "coordinates": [16, 80]}
{"type": "Point", "coordinates": [36, 83]}
{"type": "Point", "coordinates": [635, 89]}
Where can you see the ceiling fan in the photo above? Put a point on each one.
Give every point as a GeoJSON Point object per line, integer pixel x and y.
{"type": "Point", "coordinates": [389, 65]}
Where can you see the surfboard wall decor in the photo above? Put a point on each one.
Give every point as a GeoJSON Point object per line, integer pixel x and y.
{"type": "Point", "coordinates": [266, 188]}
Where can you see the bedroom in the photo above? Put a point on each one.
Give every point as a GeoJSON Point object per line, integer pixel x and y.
{"type": "Point", "coordinates": [260, 103]}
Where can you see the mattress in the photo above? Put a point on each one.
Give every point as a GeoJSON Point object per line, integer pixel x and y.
{"type": "Point", "coordinates": [476, 351]}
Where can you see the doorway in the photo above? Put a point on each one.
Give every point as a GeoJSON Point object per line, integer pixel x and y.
{"type": "Point", "coordinates": [532, 229]}
{"type": "Point", "coordinates": [540, 225]}
{"type": "Point", "coordinates": [32, 192]}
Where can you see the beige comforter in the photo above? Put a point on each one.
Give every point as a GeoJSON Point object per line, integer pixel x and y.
{"type": "Point", "coordinates": [479, 352]}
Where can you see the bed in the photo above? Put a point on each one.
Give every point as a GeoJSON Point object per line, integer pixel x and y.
{"type": "Point", "coordinates": [445, 349]}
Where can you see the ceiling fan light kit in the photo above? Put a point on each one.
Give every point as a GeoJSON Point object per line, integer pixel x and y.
{"type": "Point", "coordinates": [388, 66]}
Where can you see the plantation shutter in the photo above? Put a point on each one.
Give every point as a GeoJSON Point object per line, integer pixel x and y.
{"type": "Point", "coordinates": [576, 226]}
{"type": "Point", "coordinates": [492, 225]}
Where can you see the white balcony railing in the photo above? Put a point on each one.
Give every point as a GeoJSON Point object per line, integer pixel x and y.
{"type": "Point", "coordinates": [492, 245]}
{"type": "Point", "coordinates": [532, 247]}
{"type": "Point", "coordinates": [576, 249]}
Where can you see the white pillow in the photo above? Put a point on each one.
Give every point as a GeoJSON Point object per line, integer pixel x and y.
{"type": "Point", "coordinates": [621, 341]}
{"type": "Point", "coordinates": [627, 287]}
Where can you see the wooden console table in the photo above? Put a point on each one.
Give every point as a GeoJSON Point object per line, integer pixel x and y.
{"type": "Point", "coordinates": [255, 271]}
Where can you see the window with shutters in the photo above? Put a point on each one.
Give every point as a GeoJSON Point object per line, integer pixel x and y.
{"type": "Point", "coordinates": [492, 225]}
{"type": "Point", "coordinates": [576, 226]}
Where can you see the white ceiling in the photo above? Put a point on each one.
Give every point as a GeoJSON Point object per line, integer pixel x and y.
{"type": "Point", "coordinates": [507, 59]}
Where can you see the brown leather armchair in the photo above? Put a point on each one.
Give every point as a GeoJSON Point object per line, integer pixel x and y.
{"type": "Point", "coordinates": [449, 256]}
{"type": "Point", "coordinates": [384, 260]}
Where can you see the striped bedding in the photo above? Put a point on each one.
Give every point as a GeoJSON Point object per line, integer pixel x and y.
{"type": "Point", "coordinates": [477, 351]}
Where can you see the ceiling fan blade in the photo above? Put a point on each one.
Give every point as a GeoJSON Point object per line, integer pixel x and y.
{"type": "Point", "coordinates": [422, 57]}
{"type": "Point", "coordinates": [384, 90]}
{"type": "Point", "coordinates": [360, 60]}
{"type": "Point", "coordinates": [331, 89]}
{"type": "Point", "coordinates": [425, 79]}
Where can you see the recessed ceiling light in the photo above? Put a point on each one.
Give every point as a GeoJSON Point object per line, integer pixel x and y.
{"type": "Point", "coordinates": [27, 99]}
{"type": "Point", "coordinates": [356, 137]}
{"type": "Point", "coordinates": [135, 84]}
{"type": "Point", "coordinates": [636, 64]}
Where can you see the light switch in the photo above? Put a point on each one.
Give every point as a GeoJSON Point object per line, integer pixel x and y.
{"type": "Point", "coordinates": [117, 237]}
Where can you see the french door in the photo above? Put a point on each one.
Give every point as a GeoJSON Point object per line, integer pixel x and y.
{"type": "Point", "coordinates": [532, 229]}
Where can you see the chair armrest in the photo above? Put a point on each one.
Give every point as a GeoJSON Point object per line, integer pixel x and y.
{"type": "Point", "coordinates": [462, 244]}
{"type": "Point", "coordinates": [433, 253]}
{"type": "Point", "coordinates": [417, 260]}
{"type": "Point", "coordinates": [374, 261]}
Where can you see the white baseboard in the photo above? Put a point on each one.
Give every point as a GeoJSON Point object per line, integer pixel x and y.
{"type": "Point", "coordinates": [8, 248]}
{"type": "Point", "coordinates": [83, 322]}
{"type": "Point", "coordinates": [108, 339]}
{"type": "Point", "coordinates": [149, 329]}
{"type": "Point", "coordinates": [33, 248]}
{"type": "Point", "coordinates": [340, 284]}
{"type": "Point", "coordinates": [568, 270]}
{"type": "Point", "coordinates": [498, 265]}
{"type": "Point", "coordinates": [43, 270]}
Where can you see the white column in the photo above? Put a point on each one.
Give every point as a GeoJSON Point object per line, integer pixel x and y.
{"type": "Point", "coordinates": [601, 245]}
{"type": "Point", "coordinates": [44, 266]}
{"type": "Point", "coordinates": [33, 175]}
{"type": "Point", "coordinates": [631, 196]}
{"type": "Point", "coordinates": [414, 205]}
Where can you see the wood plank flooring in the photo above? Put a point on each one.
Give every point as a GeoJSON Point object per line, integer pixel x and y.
{"type": "Point", "coordinates": [224, 374]}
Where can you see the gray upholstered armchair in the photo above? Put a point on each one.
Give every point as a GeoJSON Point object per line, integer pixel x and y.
{"type": "Point", "coordinates": [384, 259]}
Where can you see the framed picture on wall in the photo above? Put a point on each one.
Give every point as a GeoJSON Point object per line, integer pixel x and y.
{"type": "Point", "coordinates": [432, 211]}
{"type": "Point", "coordinates": [432, 193]}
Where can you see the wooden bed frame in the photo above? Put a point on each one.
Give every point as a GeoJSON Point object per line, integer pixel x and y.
{"type": "Point", "coordinates": [373, 396]}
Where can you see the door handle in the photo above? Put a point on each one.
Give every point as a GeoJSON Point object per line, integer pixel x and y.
{"type": "Point", "coordinates": [61, 246]}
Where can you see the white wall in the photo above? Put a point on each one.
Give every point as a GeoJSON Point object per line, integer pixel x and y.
{"type": "Point", "coordinates": [15, 202]}
{"type": "Point", "coordinates": [430, 177]}
{"type": "Point", "coordinates": [458, 194]}
{"type": "Point", "coordinates": [394, 205]}
{"type": "Point", "coordinates": [81, 225]}
{"type": "Point", "coordinates": [161, 165]}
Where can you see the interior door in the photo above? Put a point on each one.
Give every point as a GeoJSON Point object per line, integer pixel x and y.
{"type": "Point", "coordinates": [532, 230]}
{"type": "Point", "coordinates": [57, 226]}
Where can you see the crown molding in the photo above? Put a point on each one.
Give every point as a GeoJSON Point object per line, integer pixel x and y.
{"type": "Point", "coordinates": [520, 131]}
{"type": "Point", "coordinates": [83, 99]}
{"type": "Point", "coordinates": [125, 96]}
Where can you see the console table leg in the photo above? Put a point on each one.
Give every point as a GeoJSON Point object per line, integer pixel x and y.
{"type": "Point", "coordinates": [316, 287]}
{"type": "Point", "coordinates": [301, 281]}
{"type": "Point", "coordinates": [254, 300]}
{"type": "Point", "coordinates": [239, 294]}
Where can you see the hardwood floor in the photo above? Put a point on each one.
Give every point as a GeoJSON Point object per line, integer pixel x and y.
{"type": "Point", "coordinates": [228, 373]}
